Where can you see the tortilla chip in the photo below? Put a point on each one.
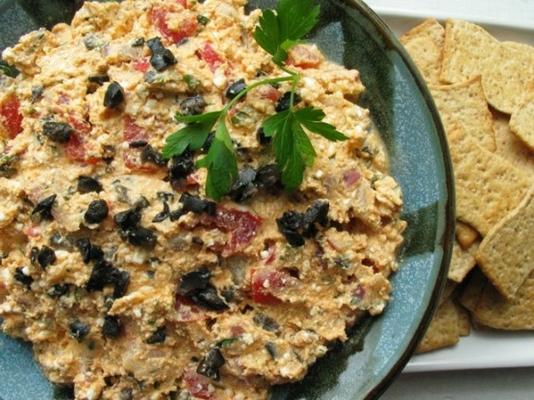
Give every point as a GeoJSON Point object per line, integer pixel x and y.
{"type": "Point", "coordinates": [495, 311]}
{"type": "Point", "coordinates": [448, 290]}
{"type": "Point", "coordinates": [473, 290]}
{"type": "Point", "coordinates": [510, 147]}
{"type": "Point", "coordinates": [467, 47]}
{"type": "Point", "coordinates": [443, 330]}
{"type": "Point", "coordinates": [506, 255]}
{"type": "Point", "coordinates": [424, 43]}
{"type": "Point", "coordinates": [465, 104]}
{"type": "Point", "coordinates": [522, 120]}
{"type": "Point", "coordinates": [505, 76]}
{"type": "Point", "coordinates": [487, 186]}
{"type": "Point", "coordinates": [465, 234]}
{"type": "Point", "coordinates": [464, 321]}
{"type": "Point", "coordinates": [462, 262]}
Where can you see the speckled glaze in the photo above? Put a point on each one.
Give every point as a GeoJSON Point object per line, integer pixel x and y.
{"type": "Point", "coordinates": [349, 33]}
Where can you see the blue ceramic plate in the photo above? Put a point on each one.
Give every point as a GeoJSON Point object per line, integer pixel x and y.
{"type": "Point", "coordinates": [351, 34]}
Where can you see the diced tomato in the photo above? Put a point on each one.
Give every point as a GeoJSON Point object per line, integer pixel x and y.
{"type": "Point", "coordinates": [75, 150]}
{"type": "Point", "coordinates": [198, 385]}
{"type": "Point", "coordinates": [186, 311]}
{"type": "Point", "coordinates": [267, 283]}
{"type": "Point", "coordinates": [192, 180]}
{"type": "Point", "coordinates": [158, 17]}
{"type": "Point", "coordinates": [132, 160]}
{"type": "Point", "coordinates": [271, 254]}
{"type": "Point", "coordinates": [351, 177]}
{"type": "Point", "coordinates": [133, 132]}
{"type": "Point", "coordinates": [304, 57]}
{"type": "Point", "coordinates": [80, 126]}
{"type": "Point", "coordinates": [141, 65]}
{"type": "Point", "coordinates": [183, 3]}
{"type": "Point", "coordinates": [210, 56]}
{"type": "Point", "coordinates": [270, 93]}
{"type": "Point", "coordinates": [63, 98]}
{"type": "Point", "coordinates": [32, 231]}
{"type": "Point", "coordinates": [10, 116]}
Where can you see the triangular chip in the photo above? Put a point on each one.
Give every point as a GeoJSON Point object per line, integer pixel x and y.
{"type": "Point", "coordinates": [448, 290]}
{"type": "Point", "coordinates": [462, 261]}
{"type": "Point", "coordinates": [487, 186]}
{"type": "Point", "coordinates": [464, 321]}
{"type": "Point", "coordinates": [467, 47]}
{"type": "Point", "coordinates": [473, 290]}
{"type": "Point", "coordinates": [444, 329]}
{"type": "Point", "coordinates": [509, 146]}
{"type": "Point", "coordinates": [506, 255]}
{"type": "Point", "coordinates": [425, 45]}
{"type": "Point", "coordinates": [465, 104]}
{"type": "Point", "coordinates": [495, 311]}
{"type": "Point", "coordinates": [522, 120]}
{"type": "Point", "coordinates": [466, 235]}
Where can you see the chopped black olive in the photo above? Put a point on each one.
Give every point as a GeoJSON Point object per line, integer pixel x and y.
{"type": "Point", "coordinates": [138, 42]}
{"type": "Point", "coordinates": [262, 138]}
{"type": "Point", "coordinates": [193, 281]}
{"type": "Point", "coordinates": [96, 212]}
{"type": "Point", "coordinates": [209, 365]}
{"type": "Point", "coordinates": [44, 208]}
{"type": "Point", "coordinates": [269, 178]}
{"type": "Point", "coordinates": [112, 327]}
{"type": "Point", "coordinates": [34, 254]}
{"type": "Point", "coordinates": [181, 166]}
{"type": "Point", "coordinates": [157, 337]}
{"type": "Point", "coordinates": [128, 219]}
{"type": "Point", "coordinates": [209, 140]}
{"type": "Point", "coordinates": [244, 187]}
{"type": "Point", "coordinates": [203, 20]}
{"type": "Point", "coordinates": [209, 298]}
{"type": "Point", "coordinates": [193, 105]}
{"type": "Point", "coordinates": [7, 165]}
{"type": "Point", "coordinates": [266, 322]}
{"type": "Point", "coordinates": [126, 394]}
{"type": "Point", "coordinates": [161, 58]}
{"type": "Point", "coordinates": [98, 79]}
{"type": "Point", "coordinates": [235, 88]}
{"type": "Point", "coordinates": [149, 154]}
{"type": "Point", "coordinates": [89, 251]}
{"type": "Point", "coordinates": [114, 96]}
{"type": "Point", "coordinates": [21, 277]}
{"type": "Point", "coordinates": [317, 213]}
{"type": "Point", "coordinates": [142, 237]}
{"type": "Point", "coordinates": [120, 280]}
{"type": "Point", "coordinates": [58, 290]}
{"type": "Point", "coordinates": [165, 196]}
{"type": "Point", "coordinates": [99, 276]}
{"type": "Point", "coordinates": [289, 225]}
{"type": "Point", "coordinates": [197, 205]}
{"type": "Point", "coordinates": [58, 132]}
{"type": "Point", "coordinates": [271, 349]}
{"type": "Point", "coordinates": [46, 257]}
{"type": "Point", "coordinates": [137, 144]}
{"type": "Point", "coordinates": [175, 215]}
{"type": "Point", "coordinates": [37, 93]}
{"type": "Point", "coordinates": [162, 215]}
{"type": "Point", "coordinates": [142, 202]}
{"type": "Point", "coordinates": [79, 330]}
{"type": "Point", "coordinates": [87, 184]}
{"type": "Point", "coordinates": [285, 101]}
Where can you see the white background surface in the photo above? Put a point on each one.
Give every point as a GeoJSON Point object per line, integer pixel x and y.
{"type": "Point", "coordinates": [463, 371]}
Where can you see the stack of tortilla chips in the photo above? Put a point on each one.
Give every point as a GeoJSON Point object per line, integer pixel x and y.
{"type": "Point", "coordinates": [484, 91]}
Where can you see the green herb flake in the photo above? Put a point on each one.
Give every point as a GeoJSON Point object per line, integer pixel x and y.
{"type": "Point", "coordinates": [203, 20]}
{"type": "Point", "coordinates": [8, 70]}
{"type": "Point", "coordinates": [226, 342]}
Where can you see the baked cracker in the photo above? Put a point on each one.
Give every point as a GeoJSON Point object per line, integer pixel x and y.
{"type": "Point", "coordinates": [465, 104]}
{"type": "Point", "coordinates": [464, 320]}
{"type": "Point", "coordinates": [487, 186]}
{"type": "Point", "coordinates": [448, 290]}
{"type": "Point", "coordinates": [509, 146]}
{"type": "Point", "coordinates": [424, 43]}
{"type": "Point", "coordinates": [466, 235]}
{"type": "Point", "coordinates": [473, 289]}
{"type": "Point", "coordinates": [443, 330]}
{"type": "Point", "coordinates": [522, 120]}
{"type": "Point", "coordinates": [506, 254]}
{"type": "Point", "coordinates": [462, 261]}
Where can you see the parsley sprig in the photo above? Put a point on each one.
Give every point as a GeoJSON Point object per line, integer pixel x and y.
{"type": "Point", "coordinates": [277, 32]}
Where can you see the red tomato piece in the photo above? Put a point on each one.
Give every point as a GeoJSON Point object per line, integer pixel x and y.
{"type": "Point", "coordinates": [198, 385]}
{"type": "Point", "coordinates": [270, 93]}
{"type": "Point", "coordinates": [75, 150]}
{"type": "Point", "coordinates": [141, 65]}
{"type": "Point", "coordinates": [304, 57]}
{"type": "Point", "coordinates": [241, 225]}
{"type": "Point", "coordinates": [10, 116]}
{"type": "Point", "coordinates": [351, 177]}
{"type": "Point", "coordinates": [158, 17]}
{"type": "Point", "coordinates": [132, 160]}
{"type": "Point", "coordinates": [210, 56]}
{"type": "Point", "coordinates": [267, 283]}
{"type": "Point", "coordinates": [183, 3]}
{"type": "Point", "coordinates": [186, 311]}
{"type": "Point", "coordinates": [80, 126]}
{"type": "Point", "coordinates": [32, 231]}
{"type": "Point", "coordinates": [133, 132]}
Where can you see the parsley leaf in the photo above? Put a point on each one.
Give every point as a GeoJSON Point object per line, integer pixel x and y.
{"type": "Point", "coordinates": [292, 147]}
{"type": "Point", "coordinates": [221, 164]}
{"type": "Point", "coordinates": [8, 70]}
{"type": "Point", "coordinates": [192, 136]}
{"type": "Point", "coordinates": [278, 32]}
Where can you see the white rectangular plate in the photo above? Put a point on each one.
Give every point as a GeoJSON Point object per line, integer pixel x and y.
{"type": "Point", "coordinates": [510, 20]}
